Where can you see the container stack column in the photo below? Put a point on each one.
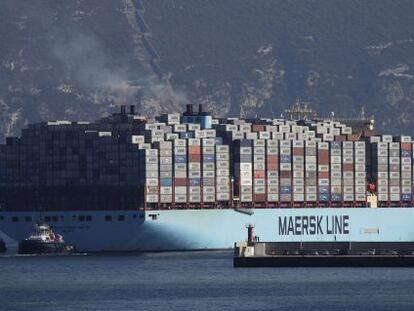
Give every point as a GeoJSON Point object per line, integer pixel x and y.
{"type": "Point", "coordinates": [194, 170]}
{"type": "Point", "coordinates": [323, 173]}
{"type": "Point", "coordinates": [298, 161]}
{"type": "Point", "coordinates": [285, 169]}
{"type": "Point", "coordinates": [310, 172]}
{"type": "Point", "coordinates": [259, 173]}
{"type": "Point", "coordinates": [272, 169]}
{"type": "Point", "coordinates": [209, 170]}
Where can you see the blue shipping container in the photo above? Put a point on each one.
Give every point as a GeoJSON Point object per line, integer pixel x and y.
{"type": "Point", "coordinates": [194, 181]}
{"type": "Point", "coordinates": [336, 197]}
{"type": "Point", "coordinates": [218, 140]}
{"type": "Point", "coordinates": [184, 135]}
{"type": "Point", "coordinates": [166, 182]}
{"type": "Point", "coordinates": [335, 144]}
{"type": "Point", "coordinates": [323, 189]}
{"type": "Point", "coordinates": [208, 158]}
{"type": "Point", "coordinates": [244, 142]}
{"type": "Point", "coordinates": [323, 197]}
{"type": "Point", "coordinates": [285, 189]}
{"type": "Point", "coordinates": [180, 158]}
{"type": "Point", "coordinates": [285, 158]}
{"type": "Point", "coordinates": [406, 197]}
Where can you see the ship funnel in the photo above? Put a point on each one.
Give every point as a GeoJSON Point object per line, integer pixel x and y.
{"type": "Point", "coordinates": [189, 109]}
{"type": "Point", "coordinates": [200, 109]}
{"type": "Point", "coordinates": [132, 109]}
{"type": "Point", "coordinates": [122, 109]}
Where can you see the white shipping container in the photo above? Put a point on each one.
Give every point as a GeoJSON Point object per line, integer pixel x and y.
{"type": "Point", "coordinates": [395, 197]}
{"type": "Point", "coordinates": [209, 189]}
{"type": "Point", "coordinates": [194, 198]}
{"type": "Point", "coordinates": [311, 197]}
{"type": "Point", "coordinates": [194, 174]}
{"type": "Point", "coordinates": [151, 198]}
{"type": "Point", "coordinates": [348, 197]}
{"type": "Point", "coordinates": [166, 198]}
{"type": "Point", "coordinates": [180, 198]}
{"type": "Point", "coordinates": [360, 197]}
{"type": "Point", "coordinates": [223, 196]}
{"type": "Point", "coordinates": [246, 197]}
{"type": "Point", "coordinates": [272, 197]}
{"type": "Point", "coordinates": [223, 189]}
{"type": "Point", "coordinates": [222, 172]}
{"type": "Point", "coordinates": [165, 190]}
{"type": "Point", "coordinates": [382, 197]}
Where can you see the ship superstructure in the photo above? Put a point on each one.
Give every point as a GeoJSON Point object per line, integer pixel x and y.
{"type": "Point", "coordinates": [124, 174]}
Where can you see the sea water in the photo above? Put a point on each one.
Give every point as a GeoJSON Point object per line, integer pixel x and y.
{"type": "Point", "coordinates": [193, 281]}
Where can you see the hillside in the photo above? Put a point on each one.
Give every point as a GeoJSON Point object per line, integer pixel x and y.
{"type": "Point", "coordinates": [80, 59]}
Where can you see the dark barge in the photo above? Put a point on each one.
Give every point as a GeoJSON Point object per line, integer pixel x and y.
{"type": "Point", "coordinates": [252, 253]}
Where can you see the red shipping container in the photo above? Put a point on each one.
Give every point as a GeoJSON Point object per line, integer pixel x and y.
{"type": "Point", "coordinates": [405, 146]}
{"type": "Point", "coordinates": [349, 167]}
{"type": "Point", "coordinates": [298, 151]}
{"type": "Point", "coordinates": [352, 137]}
{"type": "Point", "coordinates": [340, 138]}
{"type": "Point", "coordinates": [285, 174]}
{"type": "Point", "coordinates": [323, 174]}
{"type": "Point", "coordinates": [258, 128]}
{"type": "Point", "coordinates": [259, 174]}
{"type": "Point", "coordinates": [260, 197]}
{"type": "Point", "coordinates": [194, 158]}
{"type": "Point", "coordinates": [271, 159]}
{"type": "Point", "coordinates": [273, 166]}
{"type": "Point", "coordinates": [194, 150]}
{"type": "Point", "coordinates": [180, 182]}
{"type": "Point", "coordinates": [323, 153]}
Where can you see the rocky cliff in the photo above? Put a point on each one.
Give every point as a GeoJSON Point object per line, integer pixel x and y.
{"type": "Point", "coordinates": [80, 59]}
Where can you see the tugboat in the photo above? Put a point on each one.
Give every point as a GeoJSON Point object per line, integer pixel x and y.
{"type": "Point", "coordinates": [2, 246]}
{"type": "Point", "coordinates": [44, 241]}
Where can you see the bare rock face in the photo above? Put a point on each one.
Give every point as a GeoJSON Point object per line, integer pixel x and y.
{"type": "Point", "coordinates": [82, 59]}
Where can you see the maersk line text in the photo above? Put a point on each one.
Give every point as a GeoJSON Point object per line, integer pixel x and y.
{"type": "Point", "coordinates": [313, 225]}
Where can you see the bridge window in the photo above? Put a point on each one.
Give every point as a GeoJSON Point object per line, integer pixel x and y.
{"type": "Point", "coordinates": [15, 219]}
{"type": "Point", "coordinates": [54, 218]}
{"type": "Point", "coordinates": [121, 217]}
{"type": "Point", "coordinates": [108, 218]}
{"type": "Point", "coordinates": [81, 218]}
{"type": "Point", "coordinates": [28, 219]}
{"type": "Point", "coordinates": [88, 218]}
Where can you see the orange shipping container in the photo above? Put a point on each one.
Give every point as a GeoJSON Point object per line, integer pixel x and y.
{"type": "Point", "coordinates": [298, 151]}
{"type": "Point", "coordinates": [323, 174]}
{"type": "Point", "coordinates": [349, 167]}
{"type": "Point", "coordinates": [271, 159]}
{"type": "Point", "coordinates": [273, 166]}
{"type": "Point", "coordinates": [259, 174]}
{"type": "Point", "coordinates": [194, 158]}
{"type": "Point", "coordinates": [194, 150]}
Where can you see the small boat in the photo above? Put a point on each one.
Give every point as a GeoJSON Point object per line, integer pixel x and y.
{"type": "Point", "coordinates": [2, 246]}
{"type": "Point", "coordinates": [44, 241]}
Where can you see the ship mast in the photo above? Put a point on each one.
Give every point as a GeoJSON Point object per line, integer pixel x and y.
{"type": "Point", "coordinates": [300, 111]}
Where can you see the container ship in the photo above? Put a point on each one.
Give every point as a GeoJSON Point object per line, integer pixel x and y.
{"type": "Point", "coordinates": [193, 181]}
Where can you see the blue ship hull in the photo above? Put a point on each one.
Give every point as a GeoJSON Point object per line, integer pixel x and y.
{"type": "Point", "coordinates": [164, 230]}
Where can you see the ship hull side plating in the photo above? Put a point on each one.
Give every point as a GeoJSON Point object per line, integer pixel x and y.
{"type": "Point", "coordinates": [164, 230]}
